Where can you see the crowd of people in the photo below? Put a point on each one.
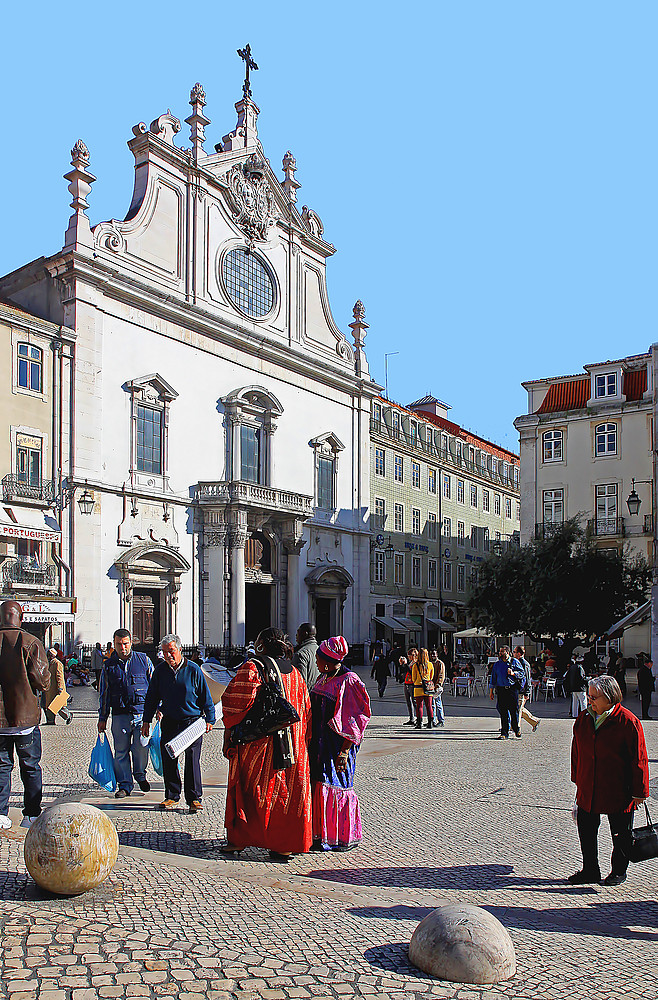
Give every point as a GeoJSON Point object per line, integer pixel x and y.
{"type": "Point", "coordinates": [294, 720]}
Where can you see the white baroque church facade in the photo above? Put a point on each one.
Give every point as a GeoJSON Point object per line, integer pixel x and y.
{"type": "Point", "coordinates": [220, 417]}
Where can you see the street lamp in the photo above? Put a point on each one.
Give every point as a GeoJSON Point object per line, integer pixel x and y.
{"type": "Point", "coordinates": [633, 501]}
{"type": "Point", "coordinates": [497, 548]}
{"type": "Point", "coordinates": [86, 501]}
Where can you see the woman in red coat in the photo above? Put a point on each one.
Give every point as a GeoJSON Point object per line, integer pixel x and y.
{"type": "Point", "coordinates": [610, 769]}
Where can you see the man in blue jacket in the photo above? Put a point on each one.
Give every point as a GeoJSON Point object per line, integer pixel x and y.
{"type": "Point", "coordinates": [507, 677]}
{"type": "Point", "coordinates": [124, 683]}
{"type": "Point", "coordinates": [179, 689]}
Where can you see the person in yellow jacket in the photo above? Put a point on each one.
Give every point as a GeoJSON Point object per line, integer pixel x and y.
{"type": "Point", "coordinates": [422, 670]}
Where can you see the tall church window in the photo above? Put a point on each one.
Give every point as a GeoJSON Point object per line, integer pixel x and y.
{"type": "Point", "coordinates": [326, 499]}
{"type": "Point", "coordinates": [250, 454]}
{"type": "Point", "coordinates": [149, 440]}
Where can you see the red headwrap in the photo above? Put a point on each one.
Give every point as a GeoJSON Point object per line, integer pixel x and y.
{"type": "Point", "coordinates": [335, 648]}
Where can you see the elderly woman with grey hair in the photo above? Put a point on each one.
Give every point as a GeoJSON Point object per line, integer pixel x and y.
{"type": "Point", "coordinates": [610, 769]}
{"type": "Point", "coordinates": [179, 690]}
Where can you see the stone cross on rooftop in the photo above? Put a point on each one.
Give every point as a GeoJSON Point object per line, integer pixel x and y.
{"type": "Point", "coordinates": [249, 63]}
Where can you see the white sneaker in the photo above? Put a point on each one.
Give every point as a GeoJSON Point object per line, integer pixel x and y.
{"type": "Point", "coordinates": [28, 820]}
{"type": "Point", "coordinates": [5, 822]}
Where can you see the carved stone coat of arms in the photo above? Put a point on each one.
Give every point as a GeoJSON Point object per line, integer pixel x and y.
{"type": "Point", "coordinates": [250, 197]}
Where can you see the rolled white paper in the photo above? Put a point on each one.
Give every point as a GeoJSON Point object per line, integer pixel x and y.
{"type": "Point", "coordinates": [186, 738]}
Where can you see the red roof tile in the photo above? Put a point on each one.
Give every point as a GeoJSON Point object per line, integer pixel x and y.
{"type": "Point", "coordinates": [635, 383]}
{"type": "Point", "coordinates": [572, 395]}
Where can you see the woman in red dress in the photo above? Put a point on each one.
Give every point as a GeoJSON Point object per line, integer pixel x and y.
{"type": "Point", "coordinates": [266, 807]}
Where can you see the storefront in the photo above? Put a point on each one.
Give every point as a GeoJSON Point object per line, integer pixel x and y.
{"type": "Point", "coordinates": [47, 619]}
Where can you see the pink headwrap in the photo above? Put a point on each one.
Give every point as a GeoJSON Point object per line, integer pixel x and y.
{"type": "Point", "coordinates": [335, 648]}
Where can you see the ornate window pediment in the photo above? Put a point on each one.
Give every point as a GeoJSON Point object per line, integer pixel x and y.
{"type": "Point", "coordinates": [150, 398]}
{"type": "Point", "coordinates": [326, 448]}
{"type": "Point", "coordinates": [252, 412]}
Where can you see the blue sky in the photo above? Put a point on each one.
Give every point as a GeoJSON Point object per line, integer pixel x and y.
{"type": "Point", "coordinates": [486, 170]}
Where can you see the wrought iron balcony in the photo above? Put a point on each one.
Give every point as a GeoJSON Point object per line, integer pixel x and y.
{"type": "Point", "coordinates": [20, 573]}
{"type": "Point", "coordinates": [547, 528]}
{"type": "Point", "coordinates": [13, 488]}
{"type": "Point", "coordinates": [606, 526]}
{"type": "Point", "coordinates": [255, 495]}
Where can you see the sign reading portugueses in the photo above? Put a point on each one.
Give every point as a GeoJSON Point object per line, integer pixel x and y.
{"type": "Point", "coordinates": [23, 531]}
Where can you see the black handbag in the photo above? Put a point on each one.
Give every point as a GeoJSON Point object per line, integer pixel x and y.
{"type": "Point", "coordinates": [270, 712]}
{"type": "Point", "coordinates": [644, 840]}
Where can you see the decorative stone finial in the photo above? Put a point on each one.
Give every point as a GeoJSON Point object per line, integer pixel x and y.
{"type": "Point", "coordinates": [165, 127]}
{"type": "Point", "coordinates": [290, 185]}
{"type": "Point", "coordinates": [358, 328]}
{"type": "Point", "coordinates": [312, 220]}
{"type": "Point", "coordinates": [197, 121]}
{"type": "Point", "coordinates": [80, 181]}
{"type": "Point", "coordinates": [245, 133]}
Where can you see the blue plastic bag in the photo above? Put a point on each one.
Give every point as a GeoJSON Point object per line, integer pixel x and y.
{"type": "Point", "coordinates": [101, 766]}
{"type": "Point", "coordinates": [155, 753]}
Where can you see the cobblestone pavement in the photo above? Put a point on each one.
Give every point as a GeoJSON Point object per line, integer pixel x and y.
{"type": "Point", "coordinates": [448, 815]}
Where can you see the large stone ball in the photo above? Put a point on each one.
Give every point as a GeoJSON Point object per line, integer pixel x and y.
{"type": "Point", "coordinates": [71, 848]}
{"type": "Point", "coordinates": [464, 944]}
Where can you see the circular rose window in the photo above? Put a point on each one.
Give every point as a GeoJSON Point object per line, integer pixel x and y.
{"type": "Point", "coordinates": [248, 283]}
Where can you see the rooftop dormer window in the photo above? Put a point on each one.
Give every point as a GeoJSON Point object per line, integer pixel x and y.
{"type": "Point", "coordinates": [605, 385]}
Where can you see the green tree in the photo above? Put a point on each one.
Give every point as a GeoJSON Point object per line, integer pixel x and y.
{"type": "Point", "coordinates": [563, 586]}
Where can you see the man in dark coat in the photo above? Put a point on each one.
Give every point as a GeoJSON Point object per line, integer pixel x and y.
{"type": "Point", "coordinates": [610, 770]}
{"type": "Point", "coordinates": [24, 674]}
{"type": "Point", "coordinates": [304, 657]}
{"type": "Point", "coordinates": [646, 685]}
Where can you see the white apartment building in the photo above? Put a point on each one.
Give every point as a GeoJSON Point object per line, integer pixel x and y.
{"type": "Point", "coordinates": [585, 442]}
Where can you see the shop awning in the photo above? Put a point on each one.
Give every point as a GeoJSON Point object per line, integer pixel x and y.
{"type": "Point", "coordinates": [391, 623]}
{"type": "Point", "coordinates": [24, 522]}
{"type": "Point", "coordinates": [633, 618]}
{"type": "Point", "coordinates": [474, 633]}
{"type": "Point", "coordinates": [408, 624]}
{"type": "Point", "coordinates": [439, 623]}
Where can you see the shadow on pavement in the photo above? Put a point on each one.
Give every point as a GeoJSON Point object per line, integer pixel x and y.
{"type": "Point", "coordinates": [21, 886]}
{"type": "Point", "coordinates": [394, 957]}
{"type": "Point", "coordinates": [173, 842]}
{"type": "Point", "coordinates": [629, 921]}
{"type": "Point", "coordinates": [454, 877]}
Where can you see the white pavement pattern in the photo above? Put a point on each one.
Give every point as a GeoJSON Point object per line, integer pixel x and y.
{"type": "Point", "coordinates": [448, 815]}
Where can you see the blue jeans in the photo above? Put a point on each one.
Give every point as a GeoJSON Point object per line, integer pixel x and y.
{"type": "Point", "coordinates": [28, 751]}
{"type": "Point", "coordinates": [439, 714]}
{"type": "Point", "coordinates": [126, 730]}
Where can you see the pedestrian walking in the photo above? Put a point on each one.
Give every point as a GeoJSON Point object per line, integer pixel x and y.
{"type": "Point", "coordinates": [341, 710]}
{"type": "Point", "coordinates": [55, 699]}
{"type": "Point", "coordinates": [124, 683]}
{"type": "Point", "coordinates": [610, 770]}
{"type": "Point", "coordinates": [305, 650]}
{"type": "Point", "coordinates": [577, 684]}
{"type": "Point", "coordinates": [646, 685]}
{"type": "Point", "coordinates": [422, 674]}
{"type": "Point", "coordinates": [525, 690]}
{"type": "Point", "coordinates": [268, 798]}
{"type": "Point", "coordinates": [178, 689]}
{"type": "Point", "coordinates": [507, 676]}
{"type": "Point", "coordinates": [380, 671]}
{"type": "Point", "coordinates": [406, 664]}
{"type": "Point", "coordinates": [24, 674]}
{"type": "Point", "coordinates": [439, 681]}
{"type": "Point", "coordinates": [97, 660]}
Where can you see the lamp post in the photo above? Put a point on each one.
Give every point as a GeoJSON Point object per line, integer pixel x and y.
{"type": "Point", "coordinates": [86, 501]}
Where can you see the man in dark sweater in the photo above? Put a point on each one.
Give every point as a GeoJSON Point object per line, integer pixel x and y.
{"type": "Point", "coordinates": [178, 688]}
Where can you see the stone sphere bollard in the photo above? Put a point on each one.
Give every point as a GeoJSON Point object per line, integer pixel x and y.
{"type": "Point", "coordinates": [71, 848]}
{"type": "Point", "coordinates": [464, 944]}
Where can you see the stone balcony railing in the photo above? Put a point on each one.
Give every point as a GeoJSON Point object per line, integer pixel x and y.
{"type": "Point", "coordinates": [255, 495]}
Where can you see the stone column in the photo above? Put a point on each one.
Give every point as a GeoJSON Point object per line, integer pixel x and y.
{"type": "Point", "coordinates": [214, 539]}
{"type": "Point", "coordinates": [293, 544]}
{"type": "Point", "coordinates": [238, 604]}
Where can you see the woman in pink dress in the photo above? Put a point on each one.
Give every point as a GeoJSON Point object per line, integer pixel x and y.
{"type": "Point", "coordinates": [340, 711]}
